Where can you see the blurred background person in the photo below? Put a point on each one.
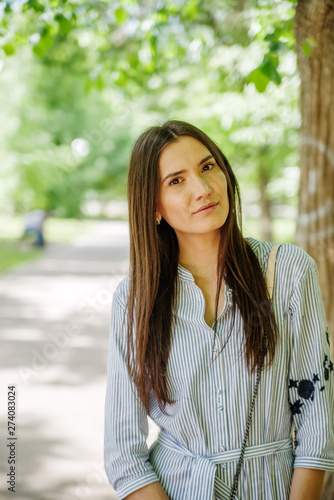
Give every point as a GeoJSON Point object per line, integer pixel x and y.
{"type": "Point", "coordinates": [34, 224]}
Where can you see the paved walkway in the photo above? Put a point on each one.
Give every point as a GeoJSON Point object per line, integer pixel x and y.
{"type": "Point", "coordinates": [55, 315]}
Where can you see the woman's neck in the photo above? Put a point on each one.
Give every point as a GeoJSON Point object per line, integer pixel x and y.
{"type": "Point", "coordinates": [198, 254]}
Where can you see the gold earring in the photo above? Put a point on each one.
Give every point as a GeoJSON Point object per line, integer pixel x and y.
{"type": "Point", "coordinates": [157, 221]}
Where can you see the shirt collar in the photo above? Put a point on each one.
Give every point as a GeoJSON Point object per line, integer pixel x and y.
{"type": "Point", "coordinates": [184, 274]}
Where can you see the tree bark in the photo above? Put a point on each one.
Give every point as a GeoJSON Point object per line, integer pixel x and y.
{"type": "Point", "coordinates": [265, 219]}
{"type": "Point", "coordinates": [315, 227]}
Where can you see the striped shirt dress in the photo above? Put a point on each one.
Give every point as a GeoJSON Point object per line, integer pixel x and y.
{"type": "Point", "coordinates": [201, 434]}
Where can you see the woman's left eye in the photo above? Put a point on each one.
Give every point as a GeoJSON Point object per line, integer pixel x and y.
{"type": "Point", "coordinates": [208, 166]}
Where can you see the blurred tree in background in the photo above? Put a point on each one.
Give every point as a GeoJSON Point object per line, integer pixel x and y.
{"type": "Point", "coordinates": [88, 76]}
{"type": "Point", "coordinates": [81, 79]}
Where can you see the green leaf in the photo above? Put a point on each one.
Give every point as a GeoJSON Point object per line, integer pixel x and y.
{"type": "Point", "coordinates": [311, 41]}
{"type": "Point", "coordinates": [8, 49]}
{"type": "Point", "coordinates": [259, 79]}
{"type": "Point", "coordinates": [33, 4]}
{"type": "Point", "coordinates": [8, 8]}
{"type": "Point", "coordinates": [45, 43]}
{"type": "Point", "coordinates": [64, 24]}
{"type": "Point", "coordinates": [306, 49]}
{"type": "Point", "coordinates": [275, 47]}
{"type": "Point", "coordinates": [307, 46]}
{"type": "Point", "coordinates": [121, 15]}
{"type": "Point", "coordinates": [153, 45]}
{"type": "Point", "coordinates": [271, 37]}
{"type": "Point", "coordinates": [269, 68]}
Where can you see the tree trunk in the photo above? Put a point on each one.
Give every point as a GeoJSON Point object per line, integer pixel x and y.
{"type": "Point", "coordinates": [315, 227]}
{"type": "Point", "coordinates": [265, 219]}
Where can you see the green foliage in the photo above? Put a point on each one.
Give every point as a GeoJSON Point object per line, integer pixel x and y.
{"type": "Point", "coordinates": [86, 77]}
{"type": "Point", "coordinates": [136, 40]}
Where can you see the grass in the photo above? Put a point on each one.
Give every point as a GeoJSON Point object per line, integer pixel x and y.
{"type": "Point", "coordinates": [13, 251]}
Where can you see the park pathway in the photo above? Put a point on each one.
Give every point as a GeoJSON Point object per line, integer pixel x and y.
{"type": "Point", "coordinates": [55, 315]}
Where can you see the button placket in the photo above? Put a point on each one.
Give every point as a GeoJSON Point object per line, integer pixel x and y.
{"type": "Point", "coordinates": [216, 347]}
{"type": "Point", "coordinates": [217, 365]}
{"type": "Point", "coordinates": [220, 406]}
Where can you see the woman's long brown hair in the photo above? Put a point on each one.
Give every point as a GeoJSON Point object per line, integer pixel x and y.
{"type": "Point", "coordinates": [154, 263]}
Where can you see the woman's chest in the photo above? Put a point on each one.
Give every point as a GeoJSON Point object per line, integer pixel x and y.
{"type": "Point", "coordinates": [211, 307]}
{"type": "Point", "coordinates": [202, 361]}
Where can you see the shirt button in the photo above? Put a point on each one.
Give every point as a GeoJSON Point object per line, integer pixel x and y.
{"type": "Point", "coordinates": [220, 400]}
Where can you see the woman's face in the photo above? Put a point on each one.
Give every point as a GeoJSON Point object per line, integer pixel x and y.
{"type": "Point", "coordinates": [193, 195]}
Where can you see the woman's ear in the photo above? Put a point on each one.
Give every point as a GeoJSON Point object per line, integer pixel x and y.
{"type": "Point", "coordinates": [158, 216]}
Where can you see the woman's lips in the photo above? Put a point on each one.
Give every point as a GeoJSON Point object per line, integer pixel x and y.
{"type": "Point", "coordinates": [207, 208]}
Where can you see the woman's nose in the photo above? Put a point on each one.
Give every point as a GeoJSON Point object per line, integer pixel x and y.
{"type": "Point", "coordinates": [201, 187]}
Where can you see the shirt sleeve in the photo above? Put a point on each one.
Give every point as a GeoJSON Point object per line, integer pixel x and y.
{"type": "Point", "coordinates": [126, 457]}
{"type": "Point", "coordinates": [311, 387]}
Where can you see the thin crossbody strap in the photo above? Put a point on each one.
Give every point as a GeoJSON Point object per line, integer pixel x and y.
{"type": "Point", "coordinates": [270, 286]}
{"type": "Point", "coordinates": [271, 269]}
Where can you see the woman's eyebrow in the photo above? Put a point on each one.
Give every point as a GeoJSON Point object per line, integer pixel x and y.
{"type": "Point", "coordinates": [173, 174]}
{"type": "Point", "coordinates": [205, 159]}
{"type": "Point", "coordinates": [184, 170]}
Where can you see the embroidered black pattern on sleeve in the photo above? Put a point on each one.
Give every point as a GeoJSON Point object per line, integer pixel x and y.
{"type": "Point", "coordinates": [327, 336]}
{"type": "Point", "coordinates": [328, 367]}
{"type": "Point", "coordinates": [306, 388]}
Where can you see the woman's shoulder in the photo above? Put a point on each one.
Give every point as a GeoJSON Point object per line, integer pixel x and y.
{"type": "Point", "coordinates": [292, 262]}
{"type": "Point", "coordinates": [122, 291]}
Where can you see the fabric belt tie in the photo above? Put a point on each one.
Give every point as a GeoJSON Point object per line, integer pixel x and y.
{"type": "Point", "coordinates": [203, 480]}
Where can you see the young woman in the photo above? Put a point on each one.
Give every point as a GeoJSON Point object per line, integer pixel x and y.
{"type": "Point", "coordinates": [192, 327]}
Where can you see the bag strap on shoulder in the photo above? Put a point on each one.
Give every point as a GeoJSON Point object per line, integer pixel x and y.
{"type": "Point", "coordinates": [271, 269]}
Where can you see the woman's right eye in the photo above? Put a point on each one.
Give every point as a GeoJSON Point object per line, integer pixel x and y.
{"type": "Point", "coordinates": [174, 182]}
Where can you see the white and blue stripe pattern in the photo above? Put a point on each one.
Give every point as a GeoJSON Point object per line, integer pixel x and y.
{"type": "Point", "coordinates": [196, 453]}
